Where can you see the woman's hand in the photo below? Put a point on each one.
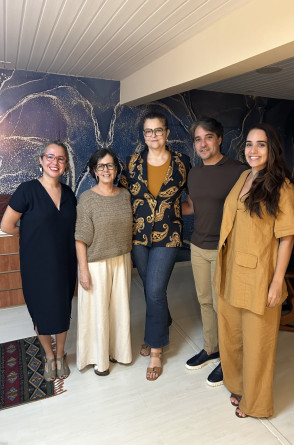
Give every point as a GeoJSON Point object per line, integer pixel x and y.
{"type": "Point", "coordinates": [276, 286]}
{"type": "Point", "coordinates": [274, 294]}
{"type": "Point", "coordinates": [85, 279]}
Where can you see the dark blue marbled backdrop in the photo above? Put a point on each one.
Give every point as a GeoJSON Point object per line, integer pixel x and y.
{"type": "Point", "coordinates": [86, 115]}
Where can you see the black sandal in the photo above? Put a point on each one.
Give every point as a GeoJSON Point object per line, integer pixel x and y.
{"type": "Point", "coordinates": [237, 397]}
{"type": "Point", "coordinates": [101, 373]}
{"type": "Point", "coordinates": [238, 413]}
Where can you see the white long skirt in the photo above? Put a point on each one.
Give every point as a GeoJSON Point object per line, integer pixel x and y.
{"type": "Point", "coordinates": [104, 314]}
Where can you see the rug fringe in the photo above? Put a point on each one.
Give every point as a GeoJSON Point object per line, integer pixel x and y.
{"type": "Point", "coordinates": [27, 365]}
{"type": "Point", "coordinates": [59, 387]}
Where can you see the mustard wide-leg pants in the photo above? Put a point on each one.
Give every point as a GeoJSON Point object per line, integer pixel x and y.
{"type": "Point", "coordinates": [248, 344]}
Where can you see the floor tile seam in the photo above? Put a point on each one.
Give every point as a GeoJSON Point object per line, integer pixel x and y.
{"type": "Point", "coordinates": [186, 337]}
{"type": "Point", "coordinates": [138, 282]}
{"type": "Point", "coordinates": [267, 423]}
{"type": "Point", "coordinates": [275, 432]}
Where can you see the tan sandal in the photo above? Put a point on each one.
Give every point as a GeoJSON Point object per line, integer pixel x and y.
{"type": "Point", "coordinates": [156, 369]}
{"type": "Point", "coordinates": [146, 348]}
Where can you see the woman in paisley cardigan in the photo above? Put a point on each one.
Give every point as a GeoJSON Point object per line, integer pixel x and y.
{"type": "Point", "coordinates": [156, 179]}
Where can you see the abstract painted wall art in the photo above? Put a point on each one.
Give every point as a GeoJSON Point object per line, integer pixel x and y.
{"type": "Point", "coordinates": [86, 115]}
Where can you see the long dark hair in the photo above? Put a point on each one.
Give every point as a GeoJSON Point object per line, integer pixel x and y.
{"type": "Point", "coordinates": [266, 186]}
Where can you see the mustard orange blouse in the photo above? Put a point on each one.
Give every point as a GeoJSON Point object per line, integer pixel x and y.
{"type": "Point", "coordinates": [156, 175]}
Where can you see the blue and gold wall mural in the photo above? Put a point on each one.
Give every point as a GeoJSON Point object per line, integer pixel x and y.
{"type": "Point", "coordinates": [86, 115]}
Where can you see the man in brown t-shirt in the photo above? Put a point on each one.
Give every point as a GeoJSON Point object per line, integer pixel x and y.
{"type": "Point", "coordinates": [208, 186]}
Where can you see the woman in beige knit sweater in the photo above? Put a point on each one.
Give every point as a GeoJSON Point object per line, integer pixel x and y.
{"type": "Point", "coordinates": [103, 243]}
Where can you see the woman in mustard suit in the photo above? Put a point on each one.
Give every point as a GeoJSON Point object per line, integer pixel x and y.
{"type": "Point", "coordinates": [256, 242]}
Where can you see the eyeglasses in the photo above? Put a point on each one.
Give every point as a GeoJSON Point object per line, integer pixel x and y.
{"type": "Point", "coordinates": [157, 132]}
{"type": "Point", "coordinates": [50, 158]}
{"type": "Point", "coordinates": [109, 166]}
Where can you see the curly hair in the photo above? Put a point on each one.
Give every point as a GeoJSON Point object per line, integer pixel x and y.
{"type": "Point", "coordinates": [266, 186]}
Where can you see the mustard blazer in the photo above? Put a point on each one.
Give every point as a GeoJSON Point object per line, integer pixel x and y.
{"type": "Point", "coordinates": [157, 221]}
{"type": "Point", "coordinates": [248, 247]}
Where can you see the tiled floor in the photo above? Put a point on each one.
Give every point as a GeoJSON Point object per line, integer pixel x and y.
{"type": "Point", "coordinates": [124, 408]}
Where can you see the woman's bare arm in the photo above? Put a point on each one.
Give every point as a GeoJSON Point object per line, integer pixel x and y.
{"type": "Point", "coordinates": [9, 221]}
{"type": "Point", "coordinates": [84, 274]}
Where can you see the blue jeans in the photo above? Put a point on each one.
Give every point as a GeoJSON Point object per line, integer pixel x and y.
{"type": "Point", "coordinates": [155, 265]}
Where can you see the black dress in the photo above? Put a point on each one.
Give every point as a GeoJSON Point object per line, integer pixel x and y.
{"type": "Point", "coordinates": [47, 254]}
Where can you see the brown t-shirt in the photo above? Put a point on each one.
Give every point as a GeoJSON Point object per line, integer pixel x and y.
{"type": "Point", "coordinates": [208, 187]}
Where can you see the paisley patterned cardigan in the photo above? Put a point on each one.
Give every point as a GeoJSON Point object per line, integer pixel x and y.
{"type": "Point", "coordinates": [157, 221]}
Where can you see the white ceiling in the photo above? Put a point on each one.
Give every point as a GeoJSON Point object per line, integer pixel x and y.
{"type": "Point", "coordinates": [106, 39]}
{"type": "Point", "coordinates": [111, 39]}
{"type": "Point", "coordinates": [276, 84]}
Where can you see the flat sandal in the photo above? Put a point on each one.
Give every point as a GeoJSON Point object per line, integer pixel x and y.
{"type": "Point", "coordinates": [238, 397]}
{"type": "Point", "coordinates": [101, 373]}
{"type": "Point", "coordinates": [146, 348]}
{"type": "Point", "coordinates": [64, 370]}
{"type": "Point", "coordinates": [50, 375]}
{"type": "Point", "coordinates": [239, 415]}
{"type": "Point", "coordinates": [156, 369]}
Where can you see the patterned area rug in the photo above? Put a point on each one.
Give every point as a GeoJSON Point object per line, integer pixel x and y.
{"type": "Point", "coordinates": [21, 373]}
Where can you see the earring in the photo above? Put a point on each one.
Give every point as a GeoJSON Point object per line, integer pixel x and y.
{"type": "Point", "coordinates": [97, 179]}
{"type": "Point", "coordinates": [41, 169]}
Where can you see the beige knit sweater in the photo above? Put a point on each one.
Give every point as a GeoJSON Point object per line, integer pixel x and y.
{"type": "Point", "coordinates": [104, 224]}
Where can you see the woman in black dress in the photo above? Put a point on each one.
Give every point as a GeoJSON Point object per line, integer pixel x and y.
{"type": "Point", "coordinates": [47, 212]}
